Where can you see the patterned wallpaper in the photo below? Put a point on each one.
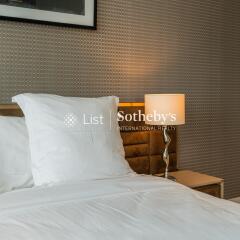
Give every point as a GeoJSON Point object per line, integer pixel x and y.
{"type": "Point", "coordinates": [140, 47]}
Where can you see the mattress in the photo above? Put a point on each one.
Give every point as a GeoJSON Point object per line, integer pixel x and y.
{"type": "Point", "coordinates": [126, 208]}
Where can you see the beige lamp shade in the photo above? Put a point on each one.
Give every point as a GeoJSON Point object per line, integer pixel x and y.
{"type": "Point", "coordinates": [165, 109]}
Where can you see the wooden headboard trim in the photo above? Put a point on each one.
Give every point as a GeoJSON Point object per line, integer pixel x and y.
{"type": "Point", "coordinates": [9, 106]}
{"type": "Point", "coordinates": [122, 104]}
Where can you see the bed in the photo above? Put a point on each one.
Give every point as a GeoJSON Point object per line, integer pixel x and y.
{"type": "Point", "coordinates": [130, 207]}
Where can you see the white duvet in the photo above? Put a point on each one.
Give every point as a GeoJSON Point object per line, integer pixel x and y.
{"type": "Point", "coordinates": [128, 208]}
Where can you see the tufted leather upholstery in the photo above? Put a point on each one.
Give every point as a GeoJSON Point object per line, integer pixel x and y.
{"type": "Point", "coordinates": [144, 144]}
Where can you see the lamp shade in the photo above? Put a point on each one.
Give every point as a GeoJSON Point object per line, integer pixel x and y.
{"type": "Point", "coordinates": [165, 109]}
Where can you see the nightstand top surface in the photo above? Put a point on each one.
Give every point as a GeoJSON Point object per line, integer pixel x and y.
{"type": "Point", "coordinates": [194, 179]}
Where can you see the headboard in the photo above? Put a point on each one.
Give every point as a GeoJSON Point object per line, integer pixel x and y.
{"type": "Point", "coordinates": [143, 144]}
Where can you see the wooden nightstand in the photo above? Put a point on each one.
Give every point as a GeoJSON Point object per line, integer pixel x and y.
{"type": "Point", "coordinates": [200, 182]}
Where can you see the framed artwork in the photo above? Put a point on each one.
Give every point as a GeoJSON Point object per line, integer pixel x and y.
{"type": "Point", "coordinates": [76, 13]}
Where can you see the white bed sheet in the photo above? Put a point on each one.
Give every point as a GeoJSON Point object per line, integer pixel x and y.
{"type": "Point", "coordinates": [128, 208]}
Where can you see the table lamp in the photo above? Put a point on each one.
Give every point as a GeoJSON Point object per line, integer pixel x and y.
{"type": "Point", "coordinates": [165, 110]}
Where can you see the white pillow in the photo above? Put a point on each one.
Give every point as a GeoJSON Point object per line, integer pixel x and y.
{"type": "Point", "coordinates": [15, 164]}
{"type": "Point", "coordinates": [64, 146]}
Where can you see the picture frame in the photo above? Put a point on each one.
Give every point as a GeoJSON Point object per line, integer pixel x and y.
{"type": "Point", "coordinates": [72, 13]}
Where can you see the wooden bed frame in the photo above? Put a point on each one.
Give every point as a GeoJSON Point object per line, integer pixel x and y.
{"type": "Point", "coordinates": [143, 145]}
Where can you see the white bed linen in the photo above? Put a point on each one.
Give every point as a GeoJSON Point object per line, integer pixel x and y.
{"type": "Point", "coordinates": [127, 208]}
{"type": "Point", "coordinates": [15, 161]}
{"type": "Point", "coordinates": [66, 145]}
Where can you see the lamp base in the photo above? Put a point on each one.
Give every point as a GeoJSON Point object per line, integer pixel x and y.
{"type": "Point", "coordinates": [171, 178]}
{"type": "Point", "coordinates": [163, 176]}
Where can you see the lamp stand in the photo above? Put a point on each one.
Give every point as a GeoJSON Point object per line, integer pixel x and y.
{"type": "Point", "coordinates": [167, 141]}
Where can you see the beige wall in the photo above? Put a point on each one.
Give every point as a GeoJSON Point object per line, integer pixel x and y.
{"type": "Point", "coordinates": [156, 46]}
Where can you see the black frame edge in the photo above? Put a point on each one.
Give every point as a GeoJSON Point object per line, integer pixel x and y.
{"type": "Point", "coordinates": [94, 27]}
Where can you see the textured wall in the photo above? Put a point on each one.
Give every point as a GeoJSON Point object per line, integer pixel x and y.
{"type": "Point", "coordinates": [142, 46]}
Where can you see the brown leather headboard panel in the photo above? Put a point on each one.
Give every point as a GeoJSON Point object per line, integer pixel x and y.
{"type": "Point", "coordinates": [143, 144]}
